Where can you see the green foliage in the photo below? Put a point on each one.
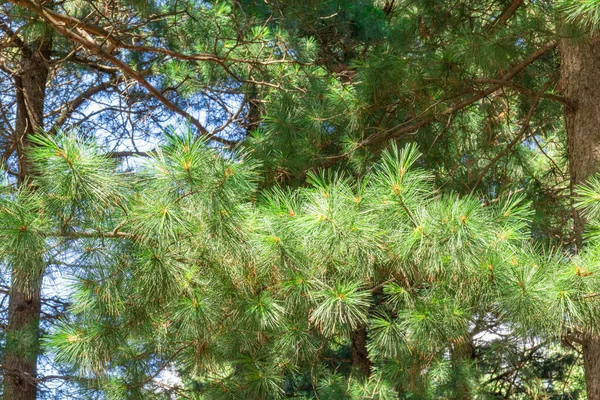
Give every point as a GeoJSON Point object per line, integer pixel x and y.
{"type": "Point", "coordinates": [253, 270]}
{"type": "Point", "coordinates": [189, 265]}
{"type": "Point", "coordinates": [585, 13]}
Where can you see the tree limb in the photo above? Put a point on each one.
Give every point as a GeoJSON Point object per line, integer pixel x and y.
{"type": "Point", "coordinates": [518, 138]}
{"type": "Point", "coordinates": [526, 90]}
{"type": "Point", "coordinates": [70, 107]}
{"type": "Point", "coordinates": [407, 127]}
{"type": "Point", "coordinates": [506, 15]}
{"type": "Point", "coordinates": [59, 23]}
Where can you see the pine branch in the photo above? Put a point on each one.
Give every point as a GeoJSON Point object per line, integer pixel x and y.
{"type": "Point", "coordinates": [116, 43]}
{"type": "Point", "coordinates": [88, 234]}
{"type": "Point", "coordinates": [413, 125]}
{"type": "Point", "coordinates": [518, 366]}
{"type": "Point", "coordinates": [506, 15]}
{"type": "Point", "coordinates": [518, 138]}
{"type": "Point", "coordinates": [527, 91]}
{"type": "Point", "coordinates": [163, 366]}
{"type": "Point", "coordinates": [59, 23]}
{"type": "Point", "coordinates": [410, 127]}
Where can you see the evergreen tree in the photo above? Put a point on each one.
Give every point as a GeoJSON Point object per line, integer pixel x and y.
{"type": "Point", "coordinates": [293, 242]}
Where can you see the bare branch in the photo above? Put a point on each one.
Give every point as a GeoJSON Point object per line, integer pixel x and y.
{"type": "Point", "coordinates": [70, 107]}
{"type": "Point", "coordinates": [506, 14]}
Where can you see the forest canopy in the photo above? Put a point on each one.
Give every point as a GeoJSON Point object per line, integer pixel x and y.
{"type": "Point", "coordinates": [337, 199]}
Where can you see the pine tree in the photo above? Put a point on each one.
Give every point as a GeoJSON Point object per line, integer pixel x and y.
{"type": "Point", "coordinates": [57, 76]}
{"type": "Point", "coordinates": [293, 241]}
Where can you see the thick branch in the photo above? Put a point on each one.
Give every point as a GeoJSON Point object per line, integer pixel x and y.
{"type": "Point", "coordinates": [122, 154]}
{"type": "Point", "coordinates": [93, 65]}
{"type": "Point", "coordinates": [89, 234]}
{"type": "Point", "coordinates": [506, 14]}
{"type": "Point", "coordinates": [13, 37]}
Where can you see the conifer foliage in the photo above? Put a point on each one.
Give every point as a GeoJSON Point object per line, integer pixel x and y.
{"type": "Point", "coordinates": [185, 264]}
{"type": "Point", "coordinates": [370, 199]}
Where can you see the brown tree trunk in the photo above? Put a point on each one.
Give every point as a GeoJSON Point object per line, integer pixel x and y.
{"type": "Point", "coordinates": [22, 343]}
{"type": "Point", "coordinates": [22, 332]}
{"type": "Point", "coordinates": [591, 364]}
{"type": "Point", "coordinates": [360, 354]}
{"type": "Point", "coordinates": [580, 71]}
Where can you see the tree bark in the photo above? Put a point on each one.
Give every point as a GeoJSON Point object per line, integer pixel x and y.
{"type": "Point", "coordinates": [580, 69]}
{"type": "Point", "coordinates": [22, 343]}
{"type": "Point", "coordinates": [360, 354]}
{"type": "Point", "coordinates": [22, 332]}
{"type": "Point", "coordinates": [591, 364]}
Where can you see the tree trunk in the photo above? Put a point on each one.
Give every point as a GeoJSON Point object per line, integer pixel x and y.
{"type": "Point", "coordinates": [580, 69]}
{"type": "Point", "coordinates": [591, 364]}
{"type": "Point", "coordinates": [22, 342]}
{"type": "Point", "coordinates": [462, 355]}
{"type": "Point", "coordinates": [360, 354]}
{"type": "Point", "coordinates": [22, 332]}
